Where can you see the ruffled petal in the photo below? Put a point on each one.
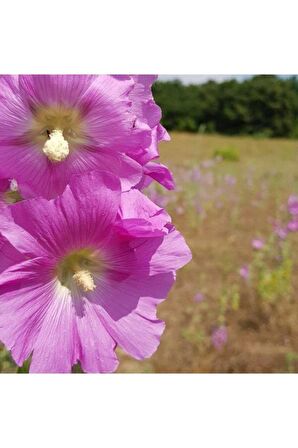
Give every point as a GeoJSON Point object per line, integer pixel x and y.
{"type": "Point", "coordinates": [35, 174]}
{"type": "Point", "coordinates": [163, 254]}
{"type": "Point", "coordinates": [97, 347]}
{"type": "Point", "coordinates": [82, 215]}
{"type": "Point", "coordinates": [143, 104]}
{"type": "Point", "coordinates": [16, 235]}
{"type": "Point", "coordinates": [108, 116]}
{"type": "Point", "coordinates": [128, 311]}
{"type": "Point", "coordinates": [39, 315]}
{"type": "Point", "coordinates": [139, 216]}
{"type": "Point", "coordinates": [125, 168]}
{"type": "Point", "coordinates": [26, 291]}
{"type": "Point", "coordinates": [160, 173]}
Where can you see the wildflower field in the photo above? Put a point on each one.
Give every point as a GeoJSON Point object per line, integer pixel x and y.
{"type": "Point", "coordinates": [234, 307]}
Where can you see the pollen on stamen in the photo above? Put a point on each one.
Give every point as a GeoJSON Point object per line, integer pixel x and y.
{"type": "Point", "coordinates": [84, 279]}
{"type": "Point", "coordinates": [56, 148]}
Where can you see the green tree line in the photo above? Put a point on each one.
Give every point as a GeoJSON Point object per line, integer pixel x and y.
{"type": "Point", "coordinates": [264, 105]}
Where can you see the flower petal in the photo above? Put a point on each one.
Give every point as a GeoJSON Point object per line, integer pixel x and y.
{"type": "Point", "coordinates": [160, 173]}
{"type": "Point", "coordinates": [26, 292]}
{"type": "Point", "coordinates": [16, 235]}
{"type": "Point", "coordinates": [163, 254]}
{"type": "Point", "coordinates": [128, 311]}
{"type": "Point", "coordinates": [139, 216]}
{"type": "Point", "coordinates": [56, 348]}
{"type": "Point", "coordinates": [108, 116]}
{"type": "Point", "coordinates": [54, 89]}
{"type": "Point", "coordinates": [9, 255]}
{"type": "Point", "coordinates": [97, 346]}
{"type": "Point", "coordinates": [82, 215]}
{"type": "Point", "coordinates": [125, 168]}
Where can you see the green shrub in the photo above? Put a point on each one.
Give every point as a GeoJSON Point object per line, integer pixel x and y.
{"type": "Point", "coordinates": [187, 124]}
{"type": "Point", "coordinates": [229, 153]}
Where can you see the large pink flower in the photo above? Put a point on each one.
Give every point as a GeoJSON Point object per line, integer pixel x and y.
{"type": "Point", "coordinates": [94, 265]}
{"type": "Point", "coordinates": [54, 126]}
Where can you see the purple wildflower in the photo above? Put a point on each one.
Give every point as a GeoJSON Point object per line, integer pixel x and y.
{"type": "Point", "coordinates": [280, 231]}
{"type": "Point", "coordinates": [244, 272]}
{"type": "Point", "coordinates": [230, 180]}
{"type": "Point", "coordinates": [199, 297]}
{"type": "Point", "coordinates": [219, 337]}
{"type": "Point", "coordinates": [196, 174]}
{"type": "Point", "coordinates": [292, 226]}
{"type": "Point", "coordinates": [209, 178]}
{"type": "Point", "coordinates": [209, 163]}
{"type": "Point", "coordinates": [257, 244]}
{"type": "Point", "coordinates": [293, 205]}
{"type": "Point", "coordinates": [92, 266]}
{"type": "Point", "coordinates": [198, 207]}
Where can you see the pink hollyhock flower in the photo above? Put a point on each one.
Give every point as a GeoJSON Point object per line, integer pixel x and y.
{"type": "Point", "coordinates": [95, 264]}
{"type": "Point", "coordinates": [257, 244]}
{"type": "Point", "coordinates": [54, 126]}
{"type": "Point", "coordinates": [219, 337]}
{"type": "Point", "coordinates": [293, 205]}
{"type": "Point", "coordinates": [244, 272]}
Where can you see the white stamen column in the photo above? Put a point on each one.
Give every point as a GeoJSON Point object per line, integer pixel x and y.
{"type": "Point", "coordinates": [56, 147]}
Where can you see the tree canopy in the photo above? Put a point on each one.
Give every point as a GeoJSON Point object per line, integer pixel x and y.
{"type": "Point", "coordinates": [264, 105]}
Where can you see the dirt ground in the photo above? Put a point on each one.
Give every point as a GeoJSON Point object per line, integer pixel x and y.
{"type": "Point", "coordinates": [262, 334]}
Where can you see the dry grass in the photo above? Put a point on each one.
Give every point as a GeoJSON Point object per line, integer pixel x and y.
{"type": "Point", "coordinates": [263, 337]}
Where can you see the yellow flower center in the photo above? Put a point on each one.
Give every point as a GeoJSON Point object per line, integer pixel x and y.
{"type": "Point", "coordinates": [57, 130]}
{"type": "Point", "coordinates": [78, 268]}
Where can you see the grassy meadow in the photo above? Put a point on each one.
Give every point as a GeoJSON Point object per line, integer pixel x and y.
{"type": "Point", "coordinates": [230, 191]}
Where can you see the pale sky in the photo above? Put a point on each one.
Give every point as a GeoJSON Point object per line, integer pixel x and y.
{"type": "Point", "coordinates": [199, 79]}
